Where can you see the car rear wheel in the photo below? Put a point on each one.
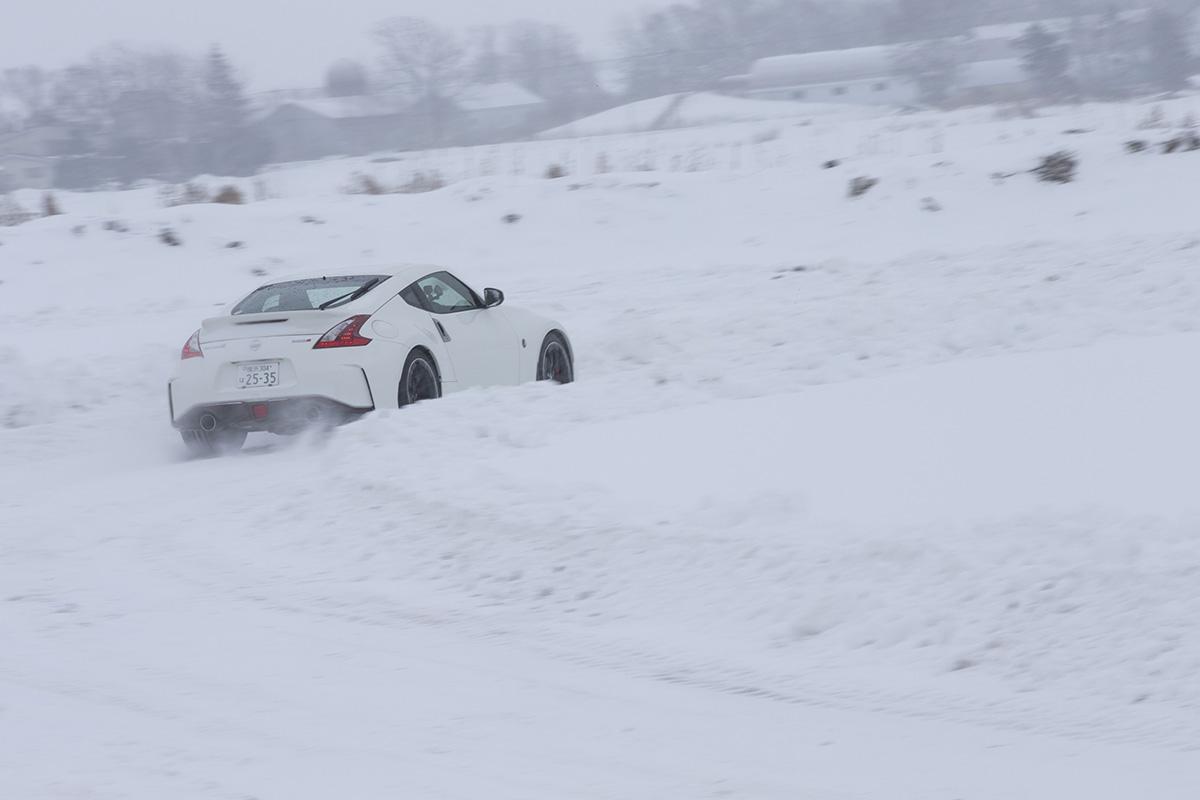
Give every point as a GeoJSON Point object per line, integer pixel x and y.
{"type": "Point", "coordinates": [206, 444]}
{"type": "Point", "coordinates": [419, 381]}
{"type": "Point", "coordinates": [554, 361]}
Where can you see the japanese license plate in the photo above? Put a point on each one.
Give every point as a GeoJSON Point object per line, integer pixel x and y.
{"type": "Point", "coordinates": [258, 376]}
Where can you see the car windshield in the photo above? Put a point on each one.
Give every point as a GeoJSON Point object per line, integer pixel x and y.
{"type": "Point", "coordinates": [305, 295]}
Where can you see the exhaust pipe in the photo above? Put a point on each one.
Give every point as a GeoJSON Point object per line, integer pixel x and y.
{"type": "Point", "coordinates": [208, 422]}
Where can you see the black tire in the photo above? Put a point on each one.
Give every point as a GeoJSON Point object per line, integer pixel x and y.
{"type": "Point", "coordinates": [554, 360]}
{"type": "Point", "coordinates": [206, 444]}
{"type": "Point", "coordinates": [420, 379]}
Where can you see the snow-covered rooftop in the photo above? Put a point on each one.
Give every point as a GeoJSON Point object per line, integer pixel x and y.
{"type": "Point", "coordinates": [487, 96]}
{"type": "Point", "coordinates": [827, 66]}
{"type": "Point", "coordinates": [354, 107]}
{"type": "Point", "coordinates": [473, 97]}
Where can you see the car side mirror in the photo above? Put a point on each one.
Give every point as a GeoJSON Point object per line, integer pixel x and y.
{"type": "Point", "coordinates": [492, 298]}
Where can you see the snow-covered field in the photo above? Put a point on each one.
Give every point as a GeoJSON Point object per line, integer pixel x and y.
{"type": "Point", "coordinates": [853, 499]}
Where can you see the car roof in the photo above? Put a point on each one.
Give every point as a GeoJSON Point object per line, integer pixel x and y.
{"type": "Point", "coordinates": [405, 272]}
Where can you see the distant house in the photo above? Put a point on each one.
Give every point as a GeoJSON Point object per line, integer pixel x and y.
{"type": "Point", "coordinates": [991, 70]}
{"type": "Point", "coordinates": [309, 125]}
{"type": "Point", "coordinates": [867, 76]}
{"type": "Point", "coordinates": [496, 110]}
{"type": "Point", "coordinates": [304, 129]}
{"type": "Point", "coordinates": [862, 75]}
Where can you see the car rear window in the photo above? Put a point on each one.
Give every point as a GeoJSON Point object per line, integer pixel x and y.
{"type": "Point", "coordinates": [304, 295]}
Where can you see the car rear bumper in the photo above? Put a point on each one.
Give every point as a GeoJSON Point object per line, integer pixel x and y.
{"type": "Point", "coordinates": [331, 394]}
{"type": "Point", "coordinates": [286, 415]}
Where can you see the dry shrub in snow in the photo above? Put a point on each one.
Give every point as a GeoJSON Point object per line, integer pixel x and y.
{"type": "Point", "coordinates": [555, 171]}
{"type": "Point", "coordinates": [188, 194]}
{"type": "Point", "coordinates": [423, 182]}
{"type": "Point", "coordinates": [861, 185]}
{"type": "Point", "coordinates": [12, 213]}
{"type": "Point", "coordinates": [1155, 119]}
{"type": "Point", "coordinates": [362, 183]}
{"type": "Point", "coordinates": [1057, 167]}
{"type": "Point", "coordinates": [1185, 142]}
{"type": "Point", "coordinates": [50, 207]}
{"type": "Point", "coordinates": [420, 182]}
{"type": "Point", "coordinates": [169, 237]}
{"type": "Point", "coordinates": [230, 195]}
{"type": "Point", "coordinates": [24, 398]}
{"type": "Point", "coordinates": [1136, 146]}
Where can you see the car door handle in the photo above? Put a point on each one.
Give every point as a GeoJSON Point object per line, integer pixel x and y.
{"type": "Point", "coordinates": [442, 331]}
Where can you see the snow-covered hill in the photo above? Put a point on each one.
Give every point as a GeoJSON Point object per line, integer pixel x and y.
{"type": "Point", "coordinates": [876, 498]}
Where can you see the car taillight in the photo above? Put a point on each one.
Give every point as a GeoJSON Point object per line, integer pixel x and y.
{"type": "Point", "coordinates": [347, 333]}
{"type": "Point", "coordinates": [192, 348]}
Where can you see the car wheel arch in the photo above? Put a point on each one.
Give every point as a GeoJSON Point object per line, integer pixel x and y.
{"type": "Point", "coordinates": [423, 353]}
{"type": "Point", "coordinates": [566, 340]}
{"type": "Point", "coordinates": [420, 348]}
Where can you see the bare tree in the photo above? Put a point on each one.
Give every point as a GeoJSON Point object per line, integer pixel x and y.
{"type": "Point", "coordinates": [234, 149]}
{"type": "Point", "coordinates": [935, 67]}
{"type": "Point", "coordinates": [30, 87]}
{"type": "Point", "coordinates": [919, 20]}
{"type": "Point", "coordinates": [487, 63]}
{"type": "Point", "coordinates": [1046, 60]}
{"type": "Point", "coordinates": [421, 59]}
{"type": "Point", "coordinates": [227, 106]}
{"type": "Point", "coordinates": [346, 78]}
{"type": "Point", "coordinates": [546, 59]}
{"type": "Point", "coordinates": [86, 94]}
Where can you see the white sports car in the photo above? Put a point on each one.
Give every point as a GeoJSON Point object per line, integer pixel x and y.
{"type": "Point", "coordinates": [323, 351]}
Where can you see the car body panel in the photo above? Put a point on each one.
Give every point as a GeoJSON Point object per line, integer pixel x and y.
{"type": "Point", "coordinates": [483, 346]}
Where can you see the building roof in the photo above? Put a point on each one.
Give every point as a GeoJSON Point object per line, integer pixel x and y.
{"type": "Point", "coordinates": [487, 96]}
{"type": "Point", "coordinates": [827, 66]}
{"type": "Point", "coordinates": [354, 107]}
{"type": "Point", "coordinates": [989, 49]}
{"type": "Point", "coordinates": [474, 97]}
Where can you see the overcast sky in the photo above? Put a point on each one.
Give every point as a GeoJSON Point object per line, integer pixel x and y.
{"type": "Point", "coordinates": [277, 42]}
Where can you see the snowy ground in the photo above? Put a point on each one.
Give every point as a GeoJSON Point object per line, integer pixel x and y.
{"type": "Point", "coordinates": [854, 499]}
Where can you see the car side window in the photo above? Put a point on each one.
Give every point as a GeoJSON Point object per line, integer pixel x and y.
{"type": "Point", "coordinates": [445, 294]}
{"type": "Point", "coordinates": [412, 296]}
